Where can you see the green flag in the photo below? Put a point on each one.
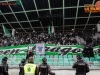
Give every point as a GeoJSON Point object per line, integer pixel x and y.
{"type": "Point", "coordinates": [18, 3]}
{"type": "Point", "coordinates": [49, 30]}
{"type": "Point", "coordinates": [6, 32]}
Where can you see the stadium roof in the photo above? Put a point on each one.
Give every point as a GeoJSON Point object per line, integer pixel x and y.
{"type": "Point", "coordinates": [36, 15]}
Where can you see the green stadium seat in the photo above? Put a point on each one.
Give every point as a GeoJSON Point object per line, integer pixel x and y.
{"type": "Point", "coordinates": [47, 56]}
{"type": "Point", "coordinates": [96, 63]}
{"type": "Point", "coordinates": [60, 56]}
{"type": "Point", "coordinates": [36, 60]}
{"type": "Point", "coordinates": [23, 56]}
{"type": "Point", "coordinates": [65, 59]}
{"type": "Point", "coordinates": [42, 56]}
{"type": "Point", "coordinates": [86, 59]}
{"type": "Point", "coordinates": [65, 56]}
{"type": "Point", "coordinates": [60, 59]}
{"type": "Point", "coordinates": [60, 63]}
{"type": "Point", "coordinates": [98, 59]}
{"type": "Point", "coordinates": [55, 56]}
{"type": "Point", "coordinates": [92, 59]}
{"type": "Point", "coordinates": [66, 62]}
{"type": "Point", "coordinates": [55, 61]}
{"type": "Point", "coordinates": [69, 56]}
{"type": "Point", "coordinates": [70, 59]}
{"type": "Point", "coordinates": [37, 56]}
{"type": "Point", "coordinates": [50, 61]}
{"type": "Point", "coordinates": [71, 62]}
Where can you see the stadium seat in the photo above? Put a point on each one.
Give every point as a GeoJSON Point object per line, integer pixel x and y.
{"type": "Point", "coordinates": [55, 56]}
{"type": "Point", "coordinates": [71, 62]}
{"type": "Point", "coordinates": [42, 56]}
{"type": "Point", "coordinates": [86, 59]}
{"type": "Point", "coordinates": [92, 59]}
{"type": "Point", "coordinates": [37, 56]}
{"type": "Point", "coordinates": [50, 61]}
{"type": "Point", "coordinates": [60, 56]}
{"type": "Point", "coordinates": [47, 56]}
{"type": "Point", "coordinates": [98, 59]}
{"type": "Point", "coordinates": [60, 63]}
{"type": "Point", "coordinates": [70, 59]}
{"type": "Point", "coordinates": [55, 63]}
{"type": "Point", "coordinates": [69, 56]}
{"type": "Point", "coordinates": [36, 60]}
{"type": "Point", "coordinates": [65, 56]}
{"type": "Point", "coordinates": [96, 63]}
{"type": "Point", "coordinates": [23, 56]}
{"type": "Point", "coordinates": [65, 59]}
{"type": "Point", "coordinates": [66, 62]}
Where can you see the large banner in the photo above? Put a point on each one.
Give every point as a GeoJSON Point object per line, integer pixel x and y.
{"type": "Point", "coordinates": [62, 49]}
{"type": "Point", "coordinates": [40, 49]}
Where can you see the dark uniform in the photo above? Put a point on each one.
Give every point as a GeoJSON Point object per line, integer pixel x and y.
{"type": "Point", "coordinates": [4, 66]}
{"type": "Point", "coordinates": [21, 66]}
{"type": "Point", "coordinates": [81, 67]}
{"type": "Point", "coordinates": [44, 68]}
{"type": "Point", "coordinates": [1, 69]}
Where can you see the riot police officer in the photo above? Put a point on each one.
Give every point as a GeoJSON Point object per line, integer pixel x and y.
{"type": "Point", "coordinates": [1, 69]}
{"type": "Point", "coordinates": [81, 67]}
{"type": "Point", "coordinates": [21, 66]}
{"type": "Point", "coordinates": [44, 68]}
{"type": "Point", "coordinates": [4, 66]}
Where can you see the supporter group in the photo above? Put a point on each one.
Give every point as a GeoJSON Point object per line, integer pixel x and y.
{"type": "Point", "coordinates": [55, 38]}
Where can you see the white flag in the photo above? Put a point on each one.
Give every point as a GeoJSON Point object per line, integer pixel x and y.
{"type": "Point", "coordinates": [52, 29]}
{"type": "Point", "coordinates": [40, 49]}
{"type": "Point", "coordinates": [98, 27]}
{"type": "Point", "coordinates": [13, 32]}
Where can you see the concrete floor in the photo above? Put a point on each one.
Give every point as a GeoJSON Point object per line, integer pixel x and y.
{"type": "Point", "coordinates": [58, 72]}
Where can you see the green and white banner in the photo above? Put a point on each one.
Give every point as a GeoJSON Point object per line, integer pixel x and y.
{"type": "Point", "coordinates": [60, 49]}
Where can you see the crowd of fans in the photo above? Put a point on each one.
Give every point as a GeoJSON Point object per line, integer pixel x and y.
{"type": "Point", "coordinates": [56, 38]}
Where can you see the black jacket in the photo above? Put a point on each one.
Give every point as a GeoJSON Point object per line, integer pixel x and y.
{"type": "Point", "coordinates": [4, 68]}
{"type": "Point", "coordinates": [21, 66]}
{"type": "Point", "coordinates": [44, 69]}
{"type": "Point", "coordinates": [1, 69]}
{"type": "Point", "coordinates": [81, 67]}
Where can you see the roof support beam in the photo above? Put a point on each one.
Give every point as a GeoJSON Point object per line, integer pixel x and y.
{"type": "Point", "coordinates": [38, 15]}
{"type": "Point", "coordinates": [26, 15]}
{"type": "Point", "coordinates": [50, 10]}
{"type": "Point", "coordinates": [20, 21]}
{"type": "Point", "coordinates": [88, 17]}
{"type": "Point", "coordinates": [16, 17]}
{"type": "Point", "coordinates": [63, 15]}
{"type": "Point", "coordinates": [76, 14]}
{"type": "Point", "coordinates": [81, 17]}
{"type": "Point", "coordinates": [6, 20]}
{"type": "Point", "coordinates": [42, 9]}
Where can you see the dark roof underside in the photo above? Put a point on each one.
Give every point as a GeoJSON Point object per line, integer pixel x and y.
{"type": "Point", "coordinates": [64, 15]}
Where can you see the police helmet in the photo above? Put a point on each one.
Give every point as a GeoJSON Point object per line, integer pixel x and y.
{"type": "Point", "coordinates": [4, 60]}
{"type": "Point", "coordinates": [79, 58]}
{"type": "Point", "coordinates": [44, 59]}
